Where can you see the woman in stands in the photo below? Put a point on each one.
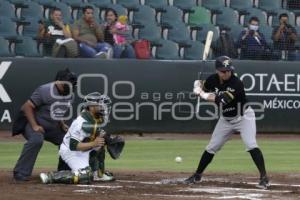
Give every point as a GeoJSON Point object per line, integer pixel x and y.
{"type": "Point", "coordinates": [124, 50]}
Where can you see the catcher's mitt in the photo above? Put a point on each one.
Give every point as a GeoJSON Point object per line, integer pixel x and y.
{"type": "Point", "coordinates": [115, 146]}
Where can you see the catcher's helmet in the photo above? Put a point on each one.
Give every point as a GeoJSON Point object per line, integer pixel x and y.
{"type": "Point", "coordinates": [224, 63]}
{"type": "Point", "coordinates": [66, 75]}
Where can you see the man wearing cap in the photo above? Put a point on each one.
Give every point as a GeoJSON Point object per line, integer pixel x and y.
{"type": "Point", "coordinates": [227, 91]}
{"type": "Point", "coordinates": [41, 118]}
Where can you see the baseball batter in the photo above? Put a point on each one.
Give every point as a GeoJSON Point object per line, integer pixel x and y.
{"type": "Point", "coordinates": [227, 91]}
{"type": "Point", "coordinates": [84, 136]}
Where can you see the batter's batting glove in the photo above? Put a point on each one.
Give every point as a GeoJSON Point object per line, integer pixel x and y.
{"type": "Point", "coordinates": [227, 97]}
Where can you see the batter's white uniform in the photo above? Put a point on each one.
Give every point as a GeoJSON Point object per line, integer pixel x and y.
{"type": "Point", "coordinates": [75, 159]}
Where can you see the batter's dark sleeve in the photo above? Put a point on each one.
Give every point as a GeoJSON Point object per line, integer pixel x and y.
{"type": "Point", "coordinates": [209, 85]}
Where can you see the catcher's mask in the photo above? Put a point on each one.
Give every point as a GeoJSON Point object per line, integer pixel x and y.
{"type": "Point", "coordinates": [67, 76]}
{"type": "Point", "coordinates": [100, 102]}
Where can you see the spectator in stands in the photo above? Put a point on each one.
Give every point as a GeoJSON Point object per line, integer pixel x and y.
{"type": "Point", "coordinates": [285, 37]}
{"type": "Point", "coordinates": [89, 34]}
{"type": "Point", "coordinates": [252, 43]}
{"type": "Point", "coordinates": [121, 50]}
{"type": "Point", "coordinates": [52, 30]}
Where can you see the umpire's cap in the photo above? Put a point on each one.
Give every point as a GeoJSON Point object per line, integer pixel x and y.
{"type": "Point", "coordinates": [66, 75]}
{"type": "Point", "coordinates": [224, 63]}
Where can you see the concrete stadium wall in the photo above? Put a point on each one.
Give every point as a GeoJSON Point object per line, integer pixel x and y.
{"type": "Point", "coordinates": [154, 96]}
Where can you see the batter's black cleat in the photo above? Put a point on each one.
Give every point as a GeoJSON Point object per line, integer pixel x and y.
{"type": "Point", "coordinates": [195, 178]}
{"type": "Point", "coordinates": [263, 183]}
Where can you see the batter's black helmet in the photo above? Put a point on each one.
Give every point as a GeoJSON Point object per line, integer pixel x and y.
{"type": "Point", "coordinates": [224, 63]}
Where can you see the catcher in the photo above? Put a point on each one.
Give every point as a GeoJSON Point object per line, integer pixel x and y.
{"type": "Point", "coordinates": [83, 145]}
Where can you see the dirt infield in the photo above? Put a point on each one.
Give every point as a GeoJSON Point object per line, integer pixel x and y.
{"type": "Point", "coordinates": [155, 185]}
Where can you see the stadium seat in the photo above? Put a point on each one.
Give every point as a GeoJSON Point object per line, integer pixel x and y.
{"type": "Point", "coordinates": [170, 15]}
{"type": "Point", "coordinates": [241, 5]}
{"type": "Point", "coordinates": [298, 41]}
{"type": "Point", "coordinates": [267, 31]}
{"type": "Point", "coordinates": [185, 5]}
{"type": "Point", "coordinates": [180, 34]}
{"type": "Point", "coordinates": [31, 29]}
{"type": "Point", "coordinates": [118, 8]}
{"type": "Point", "coordinates": [270, 5]}
{"type": "Point", "coordinates": [72, 3]}
{"type": "Point", "coordinates": [202, 32]}
{"type": "Point", "coordinates": [129, 4]}
{"type": "Point", "coordinates": [235, 31]}
{"type": "Point", "coordinates": [156, 4]}
{"type": "Point", "coordinates": [8, 28]}
{"type": "Point", "coordinates": [65, 9]}
{"type": "Point", "coordinates": [27, 48]}
{"type": "Point", "coordinates": [100, 3]}
{"type": "Point", "coordinates": [32, 10]}
{"type": "Point", "coordinates": [254, 12]}
{"type": "Point", "coordinates": [226, 18]}
{"type": "Point", "coordinates": [199, 16]}
{"type": "Point", "coordinates": [143, 15]}
{"type": "Point", "coordinates": [7, 10]}
{"type": "Point", "coordinates": [213, 5]}
{"type": "Point", "coordinates": [277, 13]}
{"type": "Point", "coordinates": [167, 50]}
{"type": "Point", "coordinates": [4, 48]}
{"type": "Point", "coordinates": [194, 51]}
{"type": "Point", "coordinates": [151, 32]}
{"type": "Point", "coordinates": [45, 3]}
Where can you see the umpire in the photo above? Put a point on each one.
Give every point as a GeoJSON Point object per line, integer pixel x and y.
{"type": "Point", "coordinates": [40, 119]}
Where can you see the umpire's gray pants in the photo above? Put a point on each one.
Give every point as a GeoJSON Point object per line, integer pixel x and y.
{"type": "Point", "coordinates": [246, 125]}
{"type": "Point", "coordinates": [35, 140]}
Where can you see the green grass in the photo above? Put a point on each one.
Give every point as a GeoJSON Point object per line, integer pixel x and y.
{"type": "Point", "coordinates": [280, 156]}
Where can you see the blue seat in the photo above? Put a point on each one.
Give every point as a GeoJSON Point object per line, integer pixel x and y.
{"type": "Point", "coordinates": [27, 47]}
{"type": "Point", "coordinates": [170, 15]}
{"type": "Point", "coordinates": [194, 51]}
{"type": "Point", "coordinates": [7, 10]}
{"type": "Point", "coordinates": [129, 4]}
{"type": "Point", "coordinates": [8, 28]}
{"type": "Point", "coordinates": [151, 32]}
{"type": "Point", "coordinates": [167, 50]}
{"type": "Point", "coordinates": [235, 31]}
{"type": "Point", "coordinates": [31, 29]}
{"type": "Point", "coordinates": [4, 48]}
{"type": "Point", "coordinates": [32, 10]}
{"type": "Point", "coordinates": [202, 31]}
{"type": "Point", "coordinates": [267, 31]}
{"type": "Point", "coordinates": [180, 34]}
{"type": "Point", "coordinates": [143, 15]}
{"type": "Point", "coordinates": [270, 5]}
{"type": "Point", "coordinates": [185, 5]}
{"type": "Point", "coordinates": [156, 4]}
{"type": "Point", "coordinates": [227, 17]}
{"type": "Point", "coordinates": [241, 5]}
{"type": "Point", "coordinates": [213, 5]}
{"type": "Point", "coordinates": [100, 3]}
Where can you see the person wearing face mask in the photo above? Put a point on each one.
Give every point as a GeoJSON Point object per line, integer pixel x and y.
{"type": "Point", "coordinates": [285, 37]}
{"type": "Point", "coordinates": [252, 43]}
{"type": "Point", "coordinates": [41, 118]}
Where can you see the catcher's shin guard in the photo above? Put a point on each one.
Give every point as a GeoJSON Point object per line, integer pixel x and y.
{"type": "Point", "coordinates": [82, 176]}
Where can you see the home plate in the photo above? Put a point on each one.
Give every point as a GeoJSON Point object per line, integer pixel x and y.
{"type": "Point", "coordinates": [101, 186]}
